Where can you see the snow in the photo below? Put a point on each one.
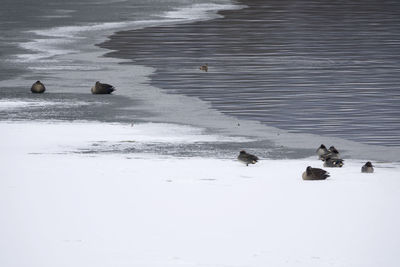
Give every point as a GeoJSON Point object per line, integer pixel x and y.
{"type": "Point", "coordinates": [63, 208]}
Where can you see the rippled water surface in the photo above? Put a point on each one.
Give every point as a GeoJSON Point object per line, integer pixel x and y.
{"type": "Point", "coordinates": [324, 67]}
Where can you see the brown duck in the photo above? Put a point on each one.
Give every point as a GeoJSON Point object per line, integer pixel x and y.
{"type": "Point", "coordinates": [38, 88]}
{"type": "Point", "coordinates": [322, 150]}
{"type": "Point", "coordinates": [315, 174]}
{"type": "Point", "coordinates": [247, 158]}
{"type": "Point", "coordinates": [332, 162]}
{"type": "Point", "coordinates": [204, 67]}
{"type": "Point", "coordinates": [367, 168]}
{"type": "Point", "coordinates": [102, 88]}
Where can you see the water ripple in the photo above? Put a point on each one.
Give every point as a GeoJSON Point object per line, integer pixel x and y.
{"type": "Point", "coordinates": [324, 67]}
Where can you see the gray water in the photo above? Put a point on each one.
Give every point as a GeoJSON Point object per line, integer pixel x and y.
{"type": "Point", "coordinates": [54, 41]}
{"type": "Point", "coordinates": [324, 67]}
{"type": "Point", "coordinates": [19, 18]}
{"type": "Point", "coordinates": [321, 67]}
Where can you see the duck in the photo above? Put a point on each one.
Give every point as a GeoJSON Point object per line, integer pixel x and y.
{"type": "Point", "coordinates": [247, 158]}
{"type": "Point", "coordinates": [38, 88]}
{"type": "Point", "coordinates": [315, 174]}
{"type": "Point", "coordinates": [332, 162]}
{"type": "Point", "coordinates": [367, 167]}
{"type": "Point", "coordinates": [332, 153]}
{"type": "Point", "coordinates": [322, 150]}
{"type": "Point", "coordinates": [204, 67]}
{"type": "Point", "coordinates": [102, 88]}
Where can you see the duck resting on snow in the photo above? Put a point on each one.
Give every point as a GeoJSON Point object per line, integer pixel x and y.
{"type": "Point", "coordinates": [322, 150]}
{"type": "Point", "coordinates": [332, 162]}
{"type": "Point", "coordinates": [367, 168]}
{"type": "Point", "coordinates": [247, 158]}
{"type": "Point", "coordinates": [315, 174]}
{"type": "Point", "coordinates": [332, 153]}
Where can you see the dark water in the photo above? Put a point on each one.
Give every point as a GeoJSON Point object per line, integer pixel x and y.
{"type": "Point", "coordinates": [19, 19]}
{"type": "Point", "coordinates": [324, 67]}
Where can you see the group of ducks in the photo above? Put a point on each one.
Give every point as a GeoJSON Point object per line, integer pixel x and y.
{"type": "Point", "coordinates": [330, 157]}
{"type": "Point", "coordinates": [98, 88]}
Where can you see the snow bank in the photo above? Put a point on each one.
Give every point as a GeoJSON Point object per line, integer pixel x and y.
{"type": "Point", "coordinates": [69, 209]}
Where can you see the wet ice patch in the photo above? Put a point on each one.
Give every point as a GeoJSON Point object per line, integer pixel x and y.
{"type": "Point", "coordinates": [103, 137]}
{"type": "Point", "coordinates": [7, 104]}
{"type": "Point", "coordinates": [200, 11]}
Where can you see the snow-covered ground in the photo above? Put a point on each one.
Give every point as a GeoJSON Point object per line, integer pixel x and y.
{"type": "Point", "coordinates": [60, 207]}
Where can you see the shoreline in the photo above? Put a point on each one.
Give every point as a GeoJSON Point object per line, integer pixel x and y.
{"type": "Point", "coordinates": [158, 139]}
{"type": "Point", "coordinates": [182, 77]}
{"type": "Point", "coordinates": [158, 105]}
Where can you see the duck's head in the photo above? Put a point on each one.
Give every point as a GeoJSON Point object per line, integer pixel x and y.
{"type": "Point", "coordinates": [308, 170]}
{"type": "Point", "coordinates": [368, 164]}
